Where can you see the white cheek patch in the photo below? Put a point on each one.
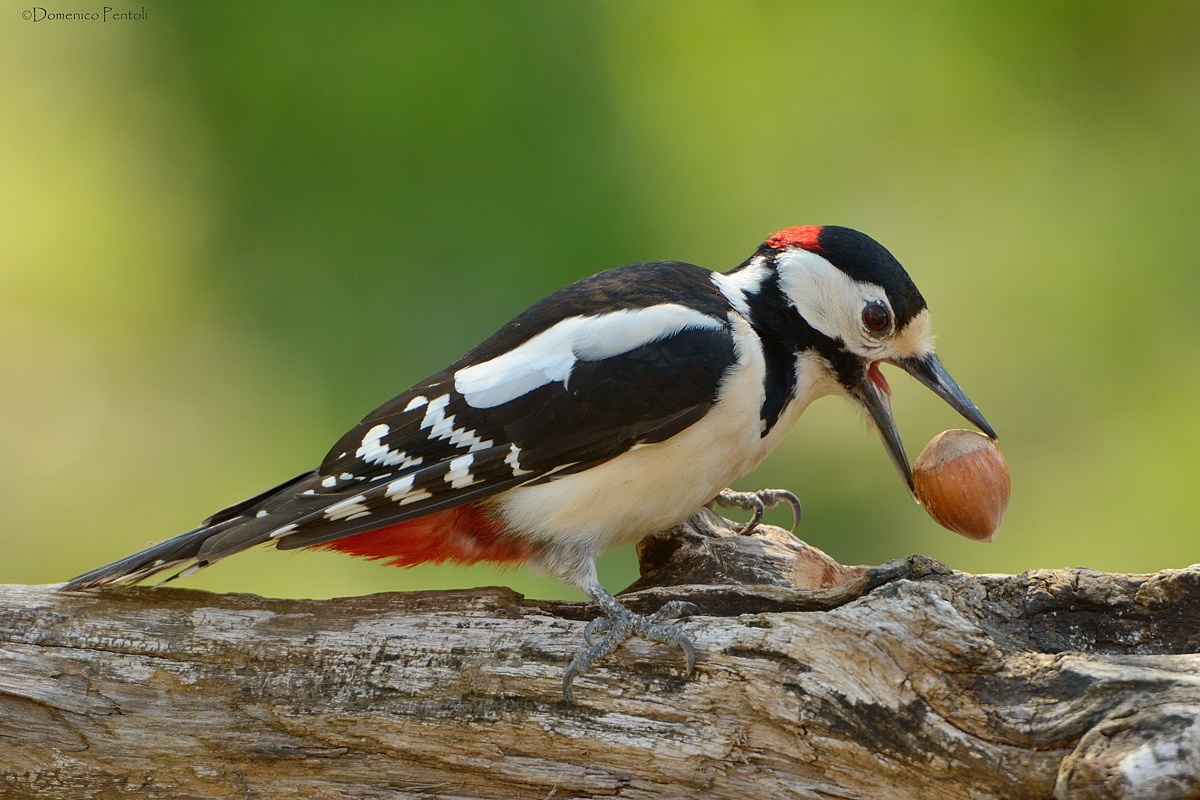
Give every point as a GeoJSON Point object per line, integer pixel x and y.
{"type": "Point", "coordinates": [832, 302]}
{"type": "Point", "coordinates": [829, 299]}
{"type": "Point", "coordinates": [550, 356]}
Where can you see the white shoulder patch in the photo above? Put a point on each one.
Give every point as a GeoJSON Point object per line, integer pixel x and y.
{"type": "Point", "coordinates": [737, 285]}
{"type": "Point", "coordinates": [550, 356]}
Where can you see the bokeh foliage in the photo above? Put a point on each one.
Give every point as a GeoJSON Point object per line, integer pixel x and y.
{"type": "Point", "coordinates": [229, 231]}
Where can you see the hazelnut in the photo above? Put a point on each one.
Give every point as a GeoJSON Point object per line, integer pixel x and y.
{"type": "Point", "coordinates": [963, 483]}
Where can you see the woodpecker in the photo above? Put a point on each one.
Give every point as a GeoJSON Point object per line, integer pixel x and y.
{"type": "Point", "coordinates": [609, 410]}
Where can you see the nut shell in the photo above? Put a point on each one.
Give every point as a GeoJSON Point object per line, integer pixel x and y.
{"type": "Point", "coordinates": [962, 480]}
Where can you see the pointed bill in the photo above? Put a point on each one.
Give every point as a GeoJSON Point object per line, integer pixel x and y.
{"type": "Point", "coordinates": [930, 372]}
{"type": "Point", "coordinates": [874, 395]}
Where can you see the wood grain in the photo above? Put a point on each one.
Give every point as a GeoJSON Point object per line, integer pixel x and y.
{"type": "Point", "coordinates": [901, 681]}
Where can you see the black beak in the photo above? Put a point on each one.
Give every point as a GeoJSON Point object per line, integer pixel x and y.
{"type": "Point", "coordinates": [872, 393]}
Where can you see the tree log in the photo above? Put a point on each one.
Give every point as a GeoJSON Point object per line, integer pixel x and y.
{"type": "Point", "coordinates": [813, 681]}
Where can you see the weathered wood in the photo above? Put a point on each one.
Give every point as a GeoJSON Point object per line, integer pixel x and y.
{"type": "Point", "coordinates": [902, 681]}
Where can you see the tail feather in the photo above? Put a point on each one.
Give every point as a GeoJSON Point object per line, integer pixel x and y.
{"type": "Point", "coordinates": [314, 509]}
{"type": "Point", "coordinates": [237, 528]}
{"type": "Point", "coordinates": [168, 555]}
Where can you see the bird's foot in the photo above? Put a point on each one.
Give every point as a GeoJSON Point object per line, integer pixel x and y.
{"type": "Point", "coordinates": [620, 624]}
{"type": "Point", "coordinates": [758, 502]}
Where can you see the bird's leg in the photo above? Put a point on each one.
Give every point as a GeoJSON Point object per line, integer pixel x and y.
{"type": "Point", "coordinates": [619, 624]}
{"type": "Point", "coordinates": [758, 502]}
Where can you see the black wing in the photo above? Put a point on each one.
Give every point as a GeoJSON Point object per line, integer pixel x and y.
{"type": "Point", "coordinates": [430, 449]}
{"type": "Point", "coordinates": [601, 412]}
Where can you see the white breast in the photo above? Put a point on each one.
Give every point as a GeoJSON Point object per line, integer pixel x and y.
{"type": "Point", "coordinates": [657, 486]}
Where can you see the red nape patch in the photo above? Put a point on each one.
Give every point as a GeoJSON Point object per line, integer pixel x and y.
{"type": "Point", "coordinates": [803, 236]}
{"type": "Point", "coordinates": [463, 535]}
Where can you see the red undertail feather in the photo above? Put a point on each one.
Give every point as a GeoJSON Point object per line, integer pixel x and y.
{"type": "Point", "coordinates": [463, 535]}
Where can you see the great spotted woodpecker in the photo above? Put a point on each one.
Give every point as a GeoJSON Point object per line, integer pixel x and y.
{"type": "Point", "coordinates": [612, 409]}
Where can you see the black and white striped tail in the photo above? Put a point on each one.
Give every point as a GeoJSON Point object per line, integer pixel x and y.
{"type": "Point", "coordinates": [180, 553]}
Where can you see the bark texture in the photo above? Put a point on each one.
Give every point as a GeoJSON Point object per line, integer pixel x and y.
{"type": "Point", "coordinates": [814, 680]}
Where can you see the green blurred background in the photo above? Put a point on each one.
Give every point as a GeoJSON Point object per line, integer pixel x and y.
{"type": "Point", "coordinates": [228, 231]}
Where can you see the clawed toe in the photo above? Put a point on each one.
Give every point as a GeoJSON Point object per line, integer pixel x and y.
{"type": "Point", "coordinates": [757, 503]}
{"type": "Point", "coordinates": [619, 625]}
{"type": "Point", "coordinates": [598, 625]}
{"type": "Point", "coordinates": [675, 609]}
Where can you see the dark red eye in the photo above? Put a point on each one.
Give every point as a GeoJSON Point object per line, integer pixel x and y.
{"type": "Point", "coordinates": [876, 317]}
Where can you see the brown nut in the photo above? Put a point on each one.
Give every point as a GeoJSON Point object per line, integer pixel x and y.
{"type": "Point", "coordinates": [963, 483]}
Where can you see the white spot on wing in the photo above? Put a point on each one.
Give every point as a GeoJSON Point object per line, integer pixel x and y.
{"type": "Point", "coordinates": [461, 437]}
{"type": "Point", "coordinates": [374, 451]}
{"type": "Point", "coordinates": [513, 460]}
{"type": "Point", "coordinates": [282, 531]}
{"type": "Point", "coordinates": [549, 356]}
{"type": "Point", "coordinates": [401, 459]}
{"type": "Point", "coordinates": [416, 403]}
{"type": "Point", "coordinates": [436, 412]}
{"type": "Point", "coordinates": [442, 427]}
{"type": "Point", "coordinates": [399, 488]}
{"type": "Point", "coordinates": [414, 497]}
{"type": "Point", "coordinates": [460, 475]}
{"type": "Point", "coordinates": [350, 508]}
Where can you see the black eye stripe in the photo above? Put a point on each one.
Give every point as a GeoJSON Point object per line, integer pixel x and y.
{"type": "Point", "coordinates": [876, 318]}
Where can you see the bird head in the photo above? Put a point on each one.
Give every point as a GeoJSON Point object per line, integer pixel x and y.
{"type": "Point", "coordinates": [864, 310]}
